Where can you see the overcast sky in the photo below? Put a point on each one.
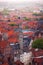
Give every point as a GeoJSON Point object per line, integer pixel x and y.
{"type": "Point", "coordinates": [20, 1]}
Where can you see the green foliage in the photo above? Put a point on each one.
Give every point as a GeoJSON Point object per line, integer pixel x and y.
{"type": "Point", "coordinates": [38, 43]}
{"type": "Point", "coordinates": [37, 14]}
{"type": "Point", "coordinates": [26, 27]}
{"type": "Point", "coordinates": [13, 24]}
{"type": "Point", "coordinates": [27, 19]}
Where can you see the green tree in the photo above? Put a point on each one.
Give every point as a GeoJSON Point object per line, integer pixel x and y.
{"type": "Point", "coordinates": [13, 24]}
{"type": "Point", "coordinates": [38, 43]}
{"type": "Point", "coordinates": [27, 19]}
{"type": "Point", "coordinates": [26, 27]}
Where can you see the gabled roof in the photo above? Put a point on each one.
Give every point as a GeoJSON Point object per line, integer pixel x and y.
{"type": "Point", "coordinates": [14, 40]}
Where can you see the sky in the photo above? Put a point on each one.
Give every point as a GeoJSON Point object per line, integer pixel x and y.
{"type": "Point", "coordinates": [20, 1]}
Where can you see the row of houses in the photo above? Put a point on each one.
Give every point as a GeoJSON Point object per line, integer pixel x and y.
{"type": "Point", "coordinates": [16, 33]}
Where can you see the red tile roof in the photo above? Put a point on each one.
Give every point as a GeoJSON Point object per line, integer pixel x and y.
{"type": "Point", "coordinates": [13, 40]}
{"type": "Point", "coordinates": [3, 44]}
